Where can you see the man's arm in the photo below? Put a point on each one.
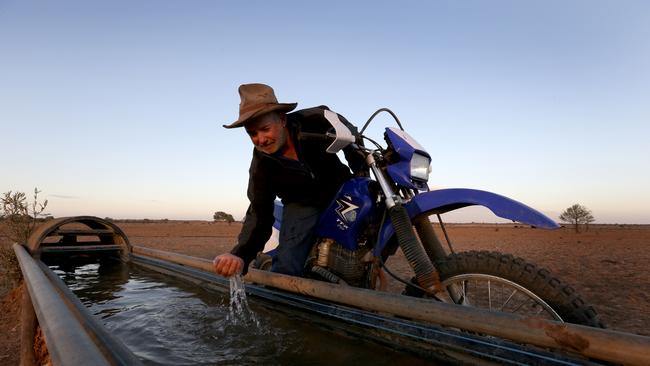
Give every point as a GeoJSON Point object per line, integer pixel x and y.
{"type": "Point", "coordinates": [258, 222]}
{"type": "Point", "coordinates": [316, 122]}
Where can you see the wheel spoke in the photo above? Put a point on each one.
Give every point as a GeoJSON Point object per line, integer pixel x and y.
{"type": "Point", "coordinates": [508, 299]}
{"type": "Point", "coordinates": [519, 307]}
{"type": "Point", "coordinates": [463, 300]}
{"type": "Point", "coordinates": [489, 295]}
{"type": "Point", "coordinates": [501, 282]}
{"type": "Point", "coordinates": [497, 294]}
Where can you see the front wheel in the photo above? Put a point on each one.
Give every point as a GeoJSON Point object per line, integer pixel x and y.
{"type": "Point", "coordinates": [501, 282]}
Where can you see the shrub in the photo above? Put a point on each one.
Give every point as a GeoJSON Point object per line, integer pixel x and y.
{"type": "Point", "coordinates": [223, 216]}
{"type": "Point", "coordinates": [19, 218]}
{"type": "Point", "coordinates": [577, 215]}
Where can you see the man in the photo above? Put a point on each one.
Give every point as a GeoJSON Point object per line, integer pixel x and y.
{"type": "Point", "coordinates": [300, 172]}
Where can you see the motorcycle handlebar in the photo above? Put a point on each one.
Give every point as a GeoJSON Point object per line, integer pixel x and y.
{"type": "Point", "coordinates": [316, 136]}
{"type": "Point", "coordinates": [326, 137]}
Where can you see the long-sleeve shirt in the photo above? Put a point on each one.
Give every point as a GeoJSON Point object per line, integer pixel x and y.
{"type": "Point", "coordinates": [311, 180]}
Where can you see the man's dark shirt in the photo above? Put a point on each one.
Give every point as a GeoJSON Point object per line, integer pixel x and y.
{"type": "Point", "coordinates": [312, 180]}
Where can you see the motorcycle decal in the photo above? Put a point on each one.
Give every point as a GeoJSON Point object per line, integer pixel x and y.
{"type": "Point", "coordinates": [346, 210]}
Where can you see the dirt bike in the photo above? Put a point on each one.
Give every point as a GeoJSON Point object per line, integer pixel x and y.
{"type": "Point", "coordinates": [369, 219]}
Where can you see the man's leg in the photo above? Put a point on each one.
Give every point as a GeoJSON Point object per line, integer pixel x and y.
{"type": "Point", "coordinates": [296, 239]}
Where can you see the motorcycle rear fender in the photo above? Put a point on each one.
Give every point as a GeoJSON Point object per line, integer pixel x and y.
{"type": "Point", "coordinates": [444, 200]}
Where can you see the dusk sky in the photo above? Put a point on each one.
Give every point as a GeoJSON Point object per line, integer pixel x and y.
{"type": "Point", "coordinates": [115, 109]}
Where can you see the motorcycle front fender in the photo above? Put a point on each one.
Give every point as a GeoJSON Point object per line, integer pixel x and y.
{"type": "Point", "coordinates": [444, 200]}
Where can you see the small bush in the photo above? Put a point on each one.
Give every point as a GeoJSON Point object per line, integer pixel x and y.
{"type": "Point", "coordinates": [223, 216]}
{"type": "Point", "coordinates": [19, 218]}
{"type": "Point", "coordinates": [10, 274]}
{"type": "Point", "coordinates": [577, 215]}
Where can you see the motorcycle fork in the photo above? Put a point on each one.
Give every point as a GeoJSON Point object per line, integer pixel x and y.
{"type": "Point", "coordinates": [435, 251]}
{"type": "Point", "coordinates": [429, 239]}
{"type": "Point", "coordinates": [425, 274]}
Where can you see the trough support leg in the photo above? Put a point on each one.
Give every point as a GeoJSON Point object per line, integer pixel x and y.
{"type": "Point", "coordinates": [27, 330]}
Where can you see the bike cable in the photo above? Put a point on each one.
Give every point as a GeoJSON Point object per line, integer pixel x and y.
{"type": "Point", "coordinates": [376, 113]}
{"type": "Point", "coordinates": [444, 231]}
{"type": "Point", "coordinates": [408, 283]}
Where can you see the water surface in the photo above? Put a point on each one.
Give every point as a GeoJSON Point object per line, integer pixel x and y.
{"type": "Point", "coordinates": [164, 320]}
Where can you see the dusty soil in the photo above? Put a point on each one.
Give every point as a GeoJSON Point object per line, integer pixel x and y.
{"type": "Point", "coordinates": [10, 327]}
{"type": "Point", "coordinates": [607, 265]}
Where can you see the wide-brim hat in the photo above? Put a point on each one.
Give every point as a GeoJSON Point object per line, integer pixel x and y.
{"type": "Point", "coordinates": [256, 100]}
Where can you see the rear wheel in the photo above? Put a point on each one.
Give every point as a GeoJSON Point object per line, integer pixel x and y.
{"type": "Point", "coordinates": [501, 282]}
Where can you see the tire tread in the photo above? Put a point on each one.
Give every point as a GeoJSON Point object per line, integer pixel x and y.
{"type": "Point", "coordinates": [559, 295]}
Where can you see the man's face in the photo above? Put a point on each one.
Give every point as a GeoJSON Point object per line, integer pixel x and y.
{"type": "Point", "coordinates": [267, 132]}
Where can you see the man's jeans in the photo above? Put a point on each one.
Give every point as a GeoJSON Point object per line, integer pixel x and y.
{"type": "Point", "coordinates": [296, 238]}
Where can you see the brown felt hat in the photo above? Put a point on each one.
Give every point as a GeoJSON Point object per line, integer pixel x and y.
{"type": "Point", "coordinates": [256, 100]}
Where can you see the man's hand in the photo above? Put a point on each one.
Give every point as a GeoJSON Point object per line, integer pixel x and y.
{"type": "Point", "coordinates": [228, 265]}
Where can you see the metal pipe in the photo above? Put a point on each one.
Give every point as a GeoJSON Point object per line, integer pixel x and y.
{"type": "Point", "coordinates": [390, 197]}
{"type": "Point", "coordinates": [602, 344]}
{"type": "Point", "coordinates": [429, 238]}
{"type": "Point", "coordinates": [67, 341]}
{"type": "Point", "coordinates": [186, 260]}
{"type": "Point", "coordinates": [426, 340]}
{"type": "Point", "coordinates": [80, 248]}
{"type": "Point", "coordinates": [116, 351]}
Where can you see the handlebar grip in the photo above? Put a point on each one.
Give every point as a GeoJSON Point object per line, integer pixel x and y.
{"type": "Point", "coordinates": [315, 136]}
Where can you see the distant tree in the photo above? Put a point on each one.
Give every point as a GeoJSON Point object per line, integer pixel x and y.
{"type": "Point", "coordinates": [576, 215]}
{"type": "Point", "coordinates": [223, 216]}
{"type": "Point", "coordinates": [588, 220]}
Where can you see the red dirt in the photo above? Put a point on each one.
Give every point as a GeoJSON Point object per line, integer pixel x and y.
{"type": "Point", "coordinates": [10, 327]}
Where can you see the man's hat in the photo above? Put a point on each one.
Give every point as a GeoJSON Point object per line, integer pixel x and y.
{"type": "Point", "coordinates": [256, 100]}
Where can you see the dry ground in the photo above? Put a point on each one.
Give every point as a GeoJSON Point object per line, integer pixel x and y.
{"type": "Point", "coordinates": [607, 265]}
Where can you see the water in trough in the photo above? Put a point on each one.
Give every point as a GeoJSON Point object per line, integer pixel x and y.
{"type": "Point", "coordinates": [164, 320]}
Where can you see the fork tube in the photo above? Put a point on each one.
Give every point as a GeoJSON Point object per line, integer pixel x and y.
{"type": "Point", "coordinates": [408, 241]}
{"type": "Point", "coordinates": [383, 182]}
{"type": "Point", "coordinates": [429, 239]}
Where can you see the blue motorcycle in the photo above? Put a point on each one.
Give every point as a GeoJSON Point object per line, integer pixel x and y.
{"type": "Point", "coordinates": [369, 219]}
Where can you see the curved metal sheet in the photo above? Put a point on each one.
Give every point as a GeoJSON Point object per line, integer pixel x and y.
{"type": "Point", "coordinates": [50, 227]}
{"type": "Point", "coordinates": [67, 341]}
{"type": "Point", "coordinates": [445, 200]}
{"type": "Point", "coordinates": [113, 348]}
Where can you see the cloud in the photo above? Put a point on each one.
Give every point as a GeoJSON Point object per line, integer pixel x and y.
{"type": "Point", "coordinates": [64, 196]}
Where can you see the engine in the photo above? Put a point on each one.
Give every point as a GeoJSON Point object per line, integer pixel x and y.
{"type": "Point", "coordinates": [334, 263]}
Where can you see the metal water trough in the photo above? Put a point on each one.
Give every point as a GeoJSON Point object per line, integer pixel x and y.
{"type": "Point", "coordinates": [446, 332]}
{"type": "Point", "coordinates": [72, 335]}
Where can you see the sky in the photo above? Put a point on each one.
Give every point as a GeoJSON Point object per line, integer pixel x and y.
{"type": "Point", "coordinates": [115, 109]}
